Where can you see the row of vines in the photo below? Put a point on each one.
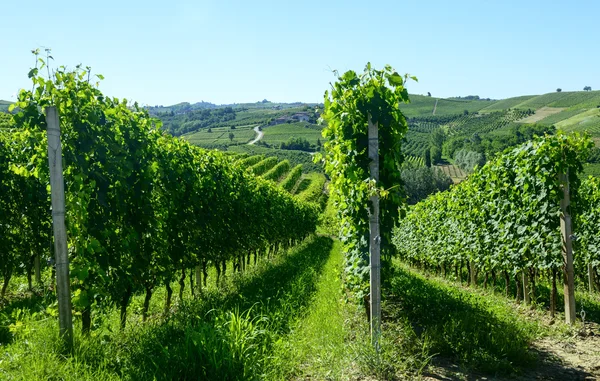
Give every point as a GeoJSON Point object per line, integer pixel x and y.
{"type": "Point", "coordinates": [505, 218]}
{"type": "Point", "coordinates": [143, 209]}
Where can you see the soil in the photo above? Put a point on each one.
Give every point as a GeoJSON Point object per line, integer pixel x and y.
{"type": "Point", "coordinates": [570, 358]}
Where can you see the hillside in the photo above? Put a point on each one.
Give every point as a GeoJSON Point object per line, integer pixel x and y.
{"type": "Point", "coordinates": [470, 124]}
{"type": "Point", "coordinates": [495, 121]}
{"type": "Point", "coordinates": [4, 105]}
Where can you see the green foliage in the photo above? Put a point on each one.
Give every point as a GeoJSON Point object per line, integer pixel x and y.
{"type": "Point", "coordinates": [311, 189]}
{"type": "Point", "coordinates": [435, 155]}
{"type": "Point", "coordinates": [292, 178]}
{"type": "Point", "coordinates": [427, 157]}
{"type": "Point", "coordinates": [141, 205]}
{"type": "Point", "coordinates": [298, 143]}
{"type": "Point", "coordinates": [437, 138]}
{"type": "Point", "coordinates": [279, 170]}
{"type": "Point", "coordinates": [355, 99]}
{"type": "Point", "coordinates": [504, 217]}
{"type": "Point", "coordinates": [587, 222]}
{"type": "Point", "coordinates": [263, 166]}
{"type": "Point", "coordinates": [5, 120]}
{"type": "Point", "coordinates": [489, 144]}
{"type": "Point", "coordinates": [469, 160]}
{"type": "Point", "coordinates": [178, 123]}
{"type": "Point", "coordinates": [302, 133]}
{"type": "Point", "coordinates": [251, 160]}
{"type": "Point", "coordinates": [420, 182]}
{"type": "Point", "coordinates": [294, 157]}
{"type": "Point", "coordinates": [479, 332]}
{"type": "Point", "coordinates": [231, 333]}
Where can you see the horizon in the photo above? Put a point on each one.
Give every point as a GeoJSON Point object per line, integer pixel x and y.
{"type": "Point", "coordinates": [286, 53]}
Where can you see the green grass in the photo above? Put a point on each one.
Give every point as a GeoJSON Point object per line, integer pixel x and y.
{"type": "Point", "coordinates": [586, 121]}
{"type": "Point", "coordinates": [310, 188]}
{"type": "Point", "coordinates": [559, 117]}
{"type": "Point", "coordinates": [590, 169]}
{"type": "Point", "coordinates": [317, 346]}
{"type": "Point", "coordinates": [281, 133]}
{"type": "Point", "coordinates": [422, 106]}
{"type": "Point", "coordinates": [220, 136]}
{"type": "Point", "coordinates": [478, 332]}
{"type": "Point", "coordinates": [505, 104]}
{"type": "Point", "coordinates": [230, 333]}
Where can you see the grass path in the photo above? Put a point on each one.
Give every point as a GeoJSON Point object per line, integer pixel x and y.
{"type": "Point", "coordinates": [317, 347]}
{"type": "Point", "coordinates": [471, 333]}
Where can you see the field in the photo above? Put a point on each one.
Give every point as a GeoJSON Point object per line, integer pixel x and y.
{"type": "Point", "coordinates": [281, 133]}
{"type": "Point", "coordinates": [456, 174]}
{"type": "Point", "coordinates": [506, 104]}
{"type": "Point", "coordinates": [540, 114]}
{"type": "Point", "coordinates": [219, 136]}
{"type": "Point", "coordinates": [586, 121]}
{"type": "Point", "coordinates": [421, 106]}
{"type": "Point", "coordinates": [293, 156]}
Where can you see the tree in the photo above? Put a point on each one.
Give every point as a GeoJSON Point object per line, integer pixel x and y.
{"type": "Point", "coordinates": [587, 88]}
{"type": "Point", "coordinates": [421, 182]}
{"type": "Point", "coordinates": [231, 136]}
{"type": "Point", "coordinates": [428, 157]}
{"type": "Point", "coordinates": [437, 138]}
{"type": "Point", "coordinates": [436, 155]}
{"type": "Point", "coordinates": [558, 90]}
{"type": "Point", "coordinates": [428, 94]}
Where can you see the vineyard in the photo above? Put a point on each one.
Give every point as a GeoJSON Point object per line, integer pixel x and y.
{"type": "Point", "coordinates": [220, 137]}
{"type": "Point", "coordinates": [504, 220]}
{"type": "Point", "coordinates": [190, 263]}
{"type": "Point", "coordinates": [281, 133]}
{"type": "Point", "coordinates": [162, 211]}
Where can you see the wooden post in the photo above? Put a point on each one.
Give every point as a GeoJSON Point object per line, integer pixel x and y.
{"type": "Point", "coordinates": [591, 281]}
{"type": "Point", "coordinates": [375, 239]}
{"type": "Point", "coordinates": [38, 272]}
{"type": "Point", "coordinates": [526, 291]}
{"type": "Point", "coordinates": [198, 279]}
{"type": "Point", "coordinates": [567, 251]}
{"type": "Point", "coordinates": [57, 185]}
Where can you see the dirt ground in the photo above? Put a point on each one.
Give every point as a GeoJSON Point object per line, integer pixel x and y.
{"type": "Point", "coordinates": [571, 359]}
{"type": "Point", "coordinates": [541, 114]}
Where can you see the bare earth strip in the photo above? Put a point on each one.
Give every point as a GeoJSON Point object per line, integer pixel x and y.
{"type": "Point", "coordinates": [260, 135]}
{"type": "Point", "coordinates": [541, 114]}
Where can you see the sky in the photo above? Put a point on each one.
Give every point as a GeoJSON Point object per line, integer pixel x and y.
{"type": "Point", "coordinates": [162, 53]}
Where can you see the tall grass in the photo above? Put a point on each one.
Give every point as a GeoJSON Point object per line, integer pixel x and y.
{"type": "Point", "coordinates": [228, 334]}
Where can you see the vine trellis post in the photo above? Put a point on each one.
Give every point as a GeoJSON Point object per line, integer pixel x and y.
{"type": "Point", "coordinates": [375, 239]}
{"type": "Point", "coordinates": [57, 189]}
{"type": "Point", "coordinates": [567, 250]}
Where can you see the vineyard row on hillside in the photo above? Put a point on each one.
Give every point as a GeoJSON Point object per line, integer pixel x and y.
{"type": "Point", "coordinates": [142, 207]}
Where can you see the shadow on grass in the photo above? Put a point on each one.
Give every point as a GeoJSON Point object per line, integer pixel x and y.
{"type": "Point", "coordinates": [13, 308]}
{"type": "Point", "coordinates": [224, 336]}
{"type": "Point", "coordinates": [462, 327]}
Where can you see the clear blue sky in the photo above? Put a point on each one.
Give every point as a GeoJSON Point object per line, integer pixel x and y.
{"type": "Point", "coordinates": [243, 51]}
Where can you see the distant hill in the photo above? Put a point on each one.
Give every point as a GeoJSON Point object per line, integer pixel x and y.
{"type": "Point", "coordinates": [4, 105]}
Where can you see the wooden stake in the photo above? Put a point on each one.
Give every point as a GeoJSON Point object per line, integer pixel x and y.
{"type": "Point", "coordinates": [38, 272]}
{"type": "Point", "coordinates": [375, 239]}
{"type": "Point", "coordinates": [526, 291]}
{"type": "Point", "coordinates": [591, 281]}
{"type": "Point", "coordinates": [567, 251]}
{"type": "Point", "coordinates": [57, 186]}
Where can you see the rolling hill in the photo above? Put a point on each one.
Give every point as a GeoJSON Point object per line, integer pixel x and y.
{"type": "Point", "coordinates": [4, 105]}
